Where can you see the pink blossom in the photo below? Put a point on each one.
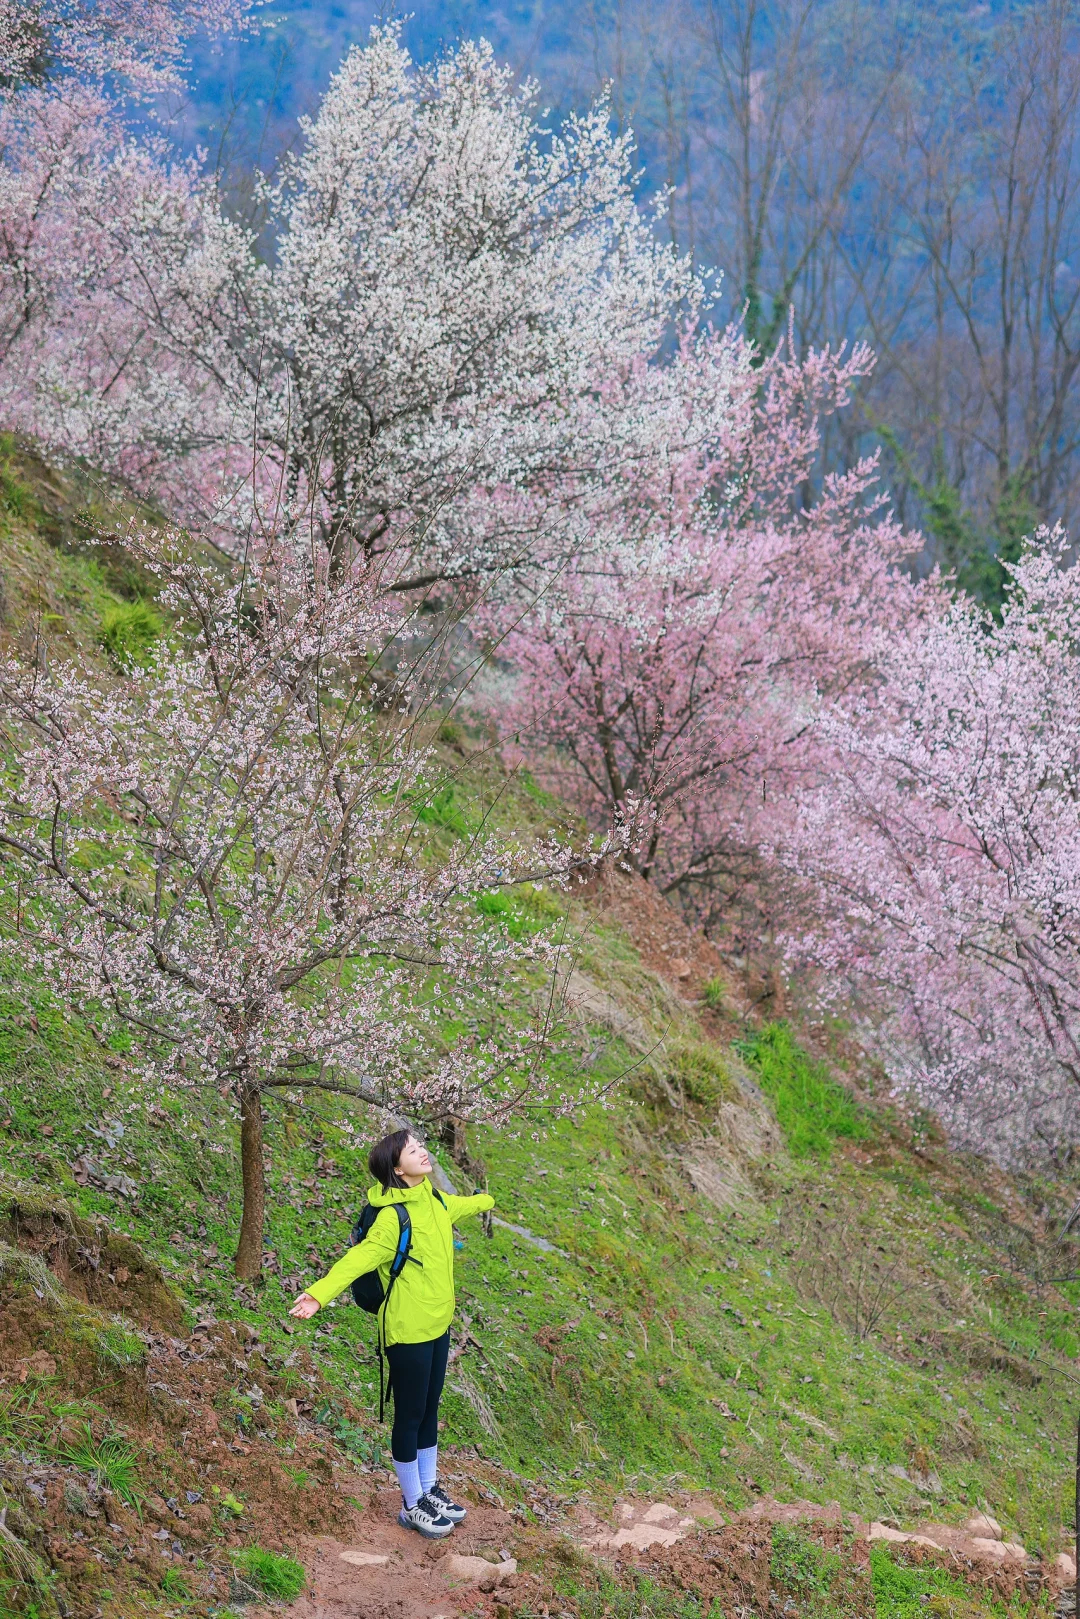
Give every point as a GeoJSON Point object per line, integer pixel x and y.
{"type": "Point", "coordinates": [137, 40]}
{"type": "Point", "coordinates": [676, 652]}
{"type": "Point", "coordinates": [944, 841]}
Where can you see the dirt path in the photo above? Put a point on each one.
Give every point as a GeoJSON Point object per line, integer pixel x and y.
{"type": "Point", "coordinates": [387, 1572]}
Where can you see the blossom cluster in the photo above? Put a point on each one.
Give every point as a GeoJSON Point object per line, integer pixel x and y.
{"type": "Point", "coordinates": [943, 844]}
{"type": "Point", "coordinates": [228, 847]}
{"type": "Point", "coordinates": [140, 41]}
{"type": "Point", "coordinates": [678, 652]}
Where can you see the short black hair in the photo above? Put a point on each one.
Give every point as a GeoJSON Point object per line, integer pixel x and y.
{"type": "Point", "coordinates": [383, 1159]}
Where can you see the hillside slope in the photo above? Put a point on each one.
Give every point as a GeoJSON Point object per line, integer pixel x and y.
{"type": "Point", "coordinates": [739, 1274]}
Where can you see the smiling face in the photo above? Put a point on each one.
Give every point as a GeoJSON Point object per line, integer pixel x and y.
{"type": "Point", "coordinates": [414, 1161]}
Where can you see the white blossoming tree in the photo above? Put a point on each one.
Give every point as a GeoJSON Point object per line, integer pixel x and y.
{"type": "Point", "coordinates": [447, 279]}
{"type": "Point", "coordinates": [229, 849]}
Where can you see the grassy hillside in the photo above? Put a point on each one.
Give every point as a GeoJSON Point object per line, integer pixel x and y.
{"type": "Point", "coordinates": [753, 1278]}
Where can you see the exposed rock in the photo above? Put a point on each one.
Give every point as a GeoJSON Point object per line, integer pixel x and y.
{"type": "Point", "coordinates": [882, 1531]}
{"type": "Point", "coordinates": [984, 1526]}
{"type": "Point", "coordinates": [1065, 1565]}
{"type": "Point", "coordinates": [478, 1571]}
{"type": "Point", "coordinates": [361, 1559]}
{"type": "Point", "coordinates": [643, 1535]}
{"type": "Point", "coordinates": [1002, 1550]}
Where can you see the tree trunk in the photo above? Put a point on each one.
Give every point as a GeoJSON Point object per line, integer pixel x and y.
{"type": "Point", "coordinates": [249, 1249]}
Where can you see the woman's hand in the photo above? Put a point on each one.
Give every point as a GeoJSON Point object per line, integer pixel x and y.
{"type": "Point", "coordinates": [305, 1307]}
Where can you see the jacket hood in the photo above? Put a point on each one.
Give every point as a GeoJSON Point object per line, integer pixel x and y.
{"type": "Point", "coordinates": [398, 1194]}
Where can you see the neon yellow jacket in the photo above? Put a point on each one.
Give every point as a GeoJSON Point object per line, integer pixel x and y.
{"type": "Point", "coordinates": [421, 1301]}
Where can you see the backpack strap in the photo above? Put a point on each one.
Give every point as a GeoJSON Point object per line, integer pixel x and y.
{"type": "Point", "coordinates": [397, 1265]}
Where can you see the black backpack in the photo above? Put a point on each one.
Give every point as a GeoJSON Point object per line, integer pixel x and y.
{"type": "Point", "coordinates": [368, 1290]}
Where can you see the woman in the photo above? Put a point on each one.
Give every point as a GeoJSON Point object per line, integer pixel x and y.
{"type": "Point", "coordinates": [416, 1319]}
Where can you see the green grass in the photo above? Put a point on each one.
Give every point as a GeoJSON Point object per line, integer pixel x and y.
{"type": "Point", "coordinates": [117, 1345]}
{"type": "Point", "coordinates": [273, 1575]}
{"type": "Point", "coordinates": [612, 1366]}
{"type": "Point", "coordinates": [445, 812]}
{"type": "Point", "coordinates": [909, 1591]}
{"type": "Point", "coordinates": [815, 1577]}
{"type": "Point", "coordinates": [174, 1586]}
{"type": "Point", "coordinates": [714, 994]}
{"type": "Point", "coordinates": [596, 1594]}
{"type": "Point", "coordinates": [129, 631]}
{"type": "Point", "coordinates": [812, 1109]}
{"type": "Point", "coordinates": [110, 1459]}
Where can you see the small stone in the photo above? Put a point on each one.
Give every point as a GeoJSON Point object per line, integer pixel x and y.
{"type": "Point", "coordinates": [989, 1548]}
{"type": "Point", "coordinates": [660, 1512]}
{"type": "Point", "coordinates": [361, 1559]}
{"type": "Point", "coordinates": [881, 1531]}
{"type": "Point", "coordinates": [1065, 1565]}
{"type": "Point", "coordinates": [476, 1571]}
{"type": "Point", "coordinates": [982, 1525]}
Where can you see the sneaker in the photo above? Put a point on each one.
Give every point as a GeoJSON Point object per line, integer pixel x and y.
{"type": "Point", "coordinates": [447, 1507]}
{"type": "Point", "coordinates": [426, 1517]}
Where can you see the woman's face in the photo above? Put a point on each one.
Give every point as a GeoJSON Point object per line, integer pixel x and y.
{"type": "Point", "coordinates": [414, 1159]}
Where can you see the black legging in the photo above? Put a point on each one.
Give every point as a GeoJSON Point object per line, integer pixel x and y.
{"type": "Point", "coordinates": [417, 1372]}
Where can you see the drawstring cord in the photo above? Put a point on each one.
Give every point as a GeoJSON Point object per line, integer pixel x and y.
{"type": "Point", "coordinates": [380, 1328]}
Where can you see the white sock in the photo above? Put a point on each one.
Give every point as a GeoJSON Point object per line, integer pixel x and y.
{"type": "Point", "coordinates": [428, 1462]}
{"type": "Point", "coordinates": [408, 1475]}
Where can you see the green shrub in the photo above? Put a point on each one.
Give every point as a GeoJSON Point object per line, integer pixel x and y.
{"type": "Point", "coordinates": [596, 1595]}
{"type": "Point", "coordinates": [700, 1073]}
{"type": "Point", "coordinates": [494, 903]}
{"type": "Point", "coordinates": [111, 1460]}
{"type": "Point", "coordinates": [274, 1576]}
{"type": "Point", "coordinates": [812, 1109]}
{"type": "Point", "coordinates": [798, 1564]}
{"type": "Point", "coordinates": [174, 1585]}
{"type": "Point", "coordinates": [525, 911]}
{"type": "Point", "coordinates": [16, 497]}
{"type": "Point", "coordinates": [128, 633]}
{"type": "Point", "coordinates": [903, 1592]}
{"type": "Point", "coordinates": [714, 994]}
{"type": "Point", "coordinates": [451, 733]}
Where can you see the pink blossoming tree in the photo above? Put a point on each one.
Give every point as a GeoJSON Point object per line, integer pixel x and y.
{"type": "Point", "coordinates": [140, 41]}
{"type": "Point", "coordinates": [676, 656]}
{"type": "Point", "coordinates": [943, 845]}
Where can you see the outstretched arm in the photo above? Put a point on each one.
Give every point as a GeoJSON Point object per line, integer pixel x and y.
{"type": "Point", "coordinates": [459, 1208]}
{"type": "Point", "coordinates": [377, 1248]}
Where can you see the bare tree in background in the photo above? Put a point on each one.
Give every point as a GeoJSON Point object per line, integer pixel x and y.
{"type": "Point", "coordinates": [906, 178]}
